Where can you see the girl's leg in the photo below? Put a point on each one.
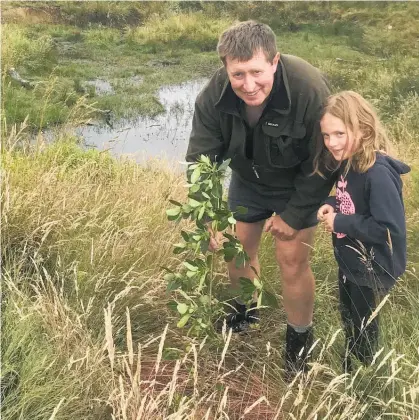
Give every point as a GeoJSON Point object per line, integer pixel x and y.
{"type": "Point", "coordinates": [345, 309]}
{"type": "Point", "coordinates": [363, 300]}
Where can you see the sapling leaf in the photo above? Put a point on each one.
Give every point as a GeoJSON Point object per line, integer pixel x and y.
{"type": "Point", "coordinates": [257, 283]}
{"type": "Point", "coordinates": [259, 303]}
{"type": "Point", "coordinates": [193, 203]}
{"type": "Point", "coordinates": [190, 266]}
{"type": "Point", "coordinates": [173, 212]}
{"type": "Point", "coordinates": [185, 295]}
{"type": "Point", "coordinates": [194, 188]}
{"type": "Point", "coordinates": [204, 245]}
{"type": "Point", "coordinates": [239, 260]}
{"type": "Point", "coordinates": [205, 159]}
{"type": "Point", "coordinates": [169, 276]}
{"type": "Point", "coordinates": [195, 174]}
{"type": "Point", "coordinates": [178, 250]}
{"type": "Point", "coordinates": [269, 299]}
{"type": "Point", "coordinates": [229, 254]}
{"type": "Point", "coordinates": [224, 165]}
{"type": "Point", "coordinates": [186, 208]}
{"type": "Point", "coordinates": [222, 225]}
{"type": "Point", "coordinates": [201, 225]}
{"type": "Point", "coordinates": [230, 237]}
{"type": "Point", "coordinates": [182, 322]}
{"type": "Point", "coordinates": [246, 286]}
{"type": "Point", "coordinates": [201, 212]}
{"type": "Point", "coordinates": [204, 299]}
{"type": "Point", "coordinates": [173, 285]}
{"type": "Point", "coordinates": [190, 274]}
{"type": "Point", "coordinates": [176, 203]}
{"type": "Point", "coordinates": [172, 305]}
{"type": "Point", "coordinates": [231, 220]}
{"type": "Point", "coordinates": [241, 210]}
{"type": "Point", "coordinates": [182, 308]}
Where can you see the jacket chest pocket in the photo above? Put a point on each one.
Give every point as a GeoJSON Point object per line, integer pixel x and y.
{"type": "Point", "coordinates": [285, 147]}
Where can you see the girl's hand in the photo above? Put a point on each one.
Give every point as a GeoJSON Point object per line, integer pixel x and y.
{"type": "Point", "coordinates": [324, 210]}
{"type": "Point", "coordinates": [329, 220]}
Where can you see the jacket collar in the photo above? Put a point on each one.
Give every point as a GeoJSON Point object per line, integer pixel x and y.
{"type": "Point", "coordinates": [279, 99]}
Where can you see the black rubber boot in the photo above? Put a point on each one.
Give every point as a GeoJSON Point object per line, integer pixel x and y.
{"type": "Point", "coordinates": [297, 346]}
{"type": "Point", "coordinates": [252, 315]}
{"type": "Point", "coordinates": [348, 328]}
{"type": "Point", "coordinates": [345, 309]}
{"type": "Point", "coordinates": [236, 318]}
{"type": "Point", "coordinates": [366, 342]}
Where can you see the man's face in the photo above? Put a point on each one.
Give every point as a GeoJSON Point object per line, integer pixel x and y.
{"type": "Point", "coordinates": [252, 80]}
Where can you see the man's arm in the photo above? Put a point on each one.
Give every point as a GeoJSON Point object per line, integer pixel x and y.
{"type": "Point", "coordinates": [310, 190]}
{"type": "Point", "coordinates": [206, 138]}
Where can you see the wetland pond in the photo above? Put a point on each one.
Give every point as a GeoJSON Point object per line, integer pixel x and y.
{"type": "Point", "coordinates": [163, 136]}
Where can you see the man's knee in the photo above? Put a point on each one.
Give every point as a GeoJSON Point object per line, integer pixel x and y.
{"type": "Point", "coordinates": [292, 261]}
{"type": "Point", "coordinates": [293, 257]}
{"type": "Point", "coordinates": [249, 236]}
{"type": "Point", "coordinates": [292, 267]}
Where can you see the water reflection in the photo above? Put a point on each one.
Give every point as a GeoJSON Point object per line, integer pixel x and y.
{"type": "Point", "coordinates": [101, 87]}
{"type": "Point", "coordinates": [163, 136]}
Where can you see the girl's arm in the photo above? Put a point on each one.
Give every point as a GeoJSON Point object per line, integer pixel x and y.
{"type": "Point", "coordinates": [331, 200]}
{"type": "Point", "coordinates": [386, 208]}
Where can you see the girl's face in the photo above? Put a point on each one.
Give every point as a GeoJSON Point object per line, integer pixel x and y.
{"type": "Point", "coordinates": [339, 139]}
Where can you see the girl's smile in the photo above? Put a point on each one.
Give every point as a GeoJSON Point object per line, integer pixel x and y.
{"type": "Point", "coordinates": [339, 139]}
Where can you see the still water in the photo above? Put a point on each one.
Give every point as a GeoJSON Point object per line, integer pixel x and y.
{"type": "Point", "coordinates": [164, 136]}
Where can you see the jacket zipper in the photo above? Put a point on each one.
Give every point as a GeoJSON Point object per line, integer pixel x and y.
{"type": "Point", "coordinates": [254, 169]}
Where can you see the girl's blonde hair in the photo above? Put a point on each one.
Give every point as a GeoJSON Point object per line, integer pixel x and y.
{"type": "Point", "coordinates": [360, 117]}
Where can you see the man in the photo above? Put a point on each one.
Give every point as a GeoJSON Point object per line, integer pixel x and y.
{"type": "Point", "coordinates": [262, 110]}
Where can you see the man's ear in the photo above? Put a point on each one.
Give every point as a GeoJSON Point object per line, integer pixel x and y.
{"type": "Point", "coordinates": [275, 61]}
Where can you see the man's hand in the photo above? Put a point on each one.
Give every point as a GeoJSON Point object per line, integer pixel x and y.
{"type": "Point", "coordinates": [215, 240]}
{"type": "Point", "coordinates": [279, 228]}
{"type": "Point", "coordinates": [324, 211]}
{"type": "Point", "coordinates": [329, 220]}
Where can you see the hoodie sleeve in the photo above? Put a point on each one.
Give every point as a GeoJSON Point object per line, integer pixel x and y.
{"type": "Point", "coordinates": [331, 200]}
{"type": "Point", "coordinates": [387, 217]}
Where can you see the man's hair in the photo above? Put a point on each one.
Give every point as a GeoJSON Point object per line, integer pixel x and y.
{"type": "Point", "coordinates": [360, 117]}
{"type": "Point", "coordinates": [241, 41]}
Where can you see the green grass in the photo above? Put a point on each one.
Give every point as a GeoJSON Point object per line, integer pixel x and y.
{"type": "Point", "coordinates": [379, 62]}
{"type": "Point", "coordinates": [85, 236]}
{"type": "Point", "coordinates": [84, 233]}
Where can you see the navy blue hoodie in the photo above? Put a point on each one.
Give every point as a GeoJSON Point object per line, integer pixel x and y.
{"type": "Point", "coordinates": [370, 228]}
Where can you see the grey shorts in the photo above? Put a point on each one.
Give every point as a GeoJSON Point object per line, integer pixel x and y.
{"type": "Point", "coordinates": [259, 206]}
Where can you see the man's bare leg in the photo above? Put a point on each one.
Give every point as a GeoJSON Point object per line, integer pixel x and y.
{"type": "Point", "coordinates": [298, 283]}
{"type": "Point", "coordinates": [298, 298]}
{"type": "Point", "coordinates": [249, 235]}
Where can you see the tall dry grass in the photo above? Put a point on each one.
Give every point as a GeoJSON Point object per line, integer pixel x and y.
{"type": "Point", "coordinates": [86, 332]}
{"type": "Point", "coordinates": [85, 328]}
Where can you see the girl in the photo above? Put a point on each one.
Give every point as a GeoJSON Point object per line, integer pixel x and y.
{"type": "Point", "coordinates": [366, 215]}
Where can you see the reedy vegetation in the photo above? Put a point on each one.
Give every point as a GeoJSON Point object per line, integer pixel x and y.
{"type": "Point", "coordinates": [86, 329]}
